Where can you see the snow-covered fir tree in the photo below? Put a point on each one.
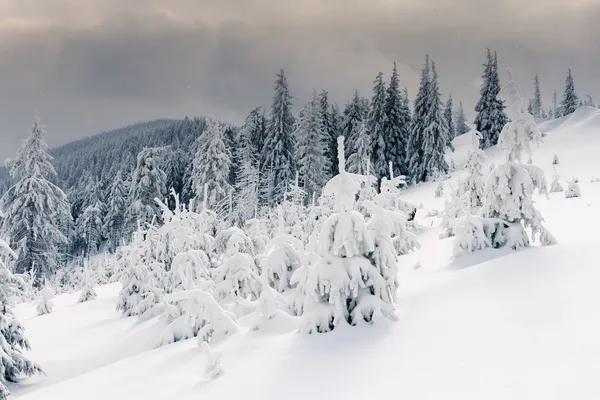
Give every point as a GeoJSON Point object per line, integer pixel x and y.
{"type": "Point", "coordinates": [88, 289]}
{"type": "Point", "coordinates": [311, 147]}
{"type": "Point", "coordinates": [277, 158]}
{"type": "Point", "coordinates": [36, 212]}
{"type": "Point", "coordinates": [147, 184]}
{"type": "Point", "coordinates": [573, 189]}
{"type": "Point", "coordinates": [460, 119]}
{"type": "Point", "coordinates": [449, 118]}
{"type": "Point", "coordinates": [359, 162]}
{"type": "Point", "coordinates": [45, 305]}
{"type": "Point", "coordinates": [13, 364]}
{"type": "Point", "coordinates": [474, 183]}
{"type": "Point", "coordinates": [352, 120]}
{"type": "Point", "coordinates": [570, 101]}
{"type": "Point", "coordinates": [376, 123]}
{"type": "Point", "coordinates": [211, 165]}
{"type": "Point", "coordinates": [435, 135]}
{"type": "Point", "coordinates": [556, 186]}
{"type": "Point", "coordinates": [490, 118]}
{"type": "Point", "coordinates": [396, 125]}
{"type": "Point", "coordinates": [174, 162]}
{"type": "Point", "coordinates": [332, 124]}
{"type": "Point", "coordinates": [536, 102]}
{"type": "Point", "coordinates": [416, 161]}
{"type": "Point", "coordinates": [354, 281]}
{"type": "Point", "coordinates": [114, 221]}
{"type": "Point", "coordinates": [90, 225]}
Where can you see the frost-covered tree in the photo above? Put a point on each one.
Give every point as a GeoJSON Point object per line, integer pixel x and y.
{"type": "Point", "coordinates": [174, 162]}
{"type": "Point", "coordinates": [311, 147]}
{"type": "Point", "coordinates": [536, 102]}
{"type": "Point", "coordinates": [90, 225]}
{"type": "Point", "coordinates": [213, 366]}
{"type": "Point", "coordinates": [88, 288]}
{"type": "Point", "coordinates": [277, 158]}
{"type": "Point", "coordinates": [354, 281]}
{"type": "Point", "coordinates": [435, 134]}
{"type": "Point", "coordinates": [509, 188]}
{"type": "Point", "coordinates": [211, 165]}
{"type": "Point", "coordinates": [396, 124]}
{"type": "Point", "coordinates": [147, 184]}
{"type": "Point", "coordinates": [45, 304]}
{"type": "Point", "coordinates": [36, 212]}
{"type": "Point", "coordinates": [13, 364]}
{"type": "Point", "coordinates": [573, 189]}
{"type": "Point", "coordinates": [114, 221]}
{"type": "Point", "coordinates": [416, 161]}
{"type": "Point", "coordinates": [359, 162]}
{"type": "Point", "coordinates": [449, 118]}
{"type": "Point", "coordinates": [376, 123]}
{"type": "Point", "coordinates": [474, 183]}
{"type": "Point", "coordinates": [556, 186]}
{"type": "Point", "coordinates": [555, 109]}
{"type": "Point", "coordinates": [570, 101]}
{"type": "Point", "coordinates": [352, 120]}
{"type": "Point", "coordinates": [460, 121]}
{"type": "Point", "coordinates": [332, 125]}
{"type": "Point", "coordinates": [490, 109]}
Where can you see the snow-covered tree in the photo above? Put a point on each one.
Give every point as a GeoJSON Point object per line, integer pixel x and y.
{"type": "Point", "coordinates": [147, 184]}
{"type": "Point", "coordinates": [573, 189]}
{"type": "Point", "coordinates": [332, 124]}
{"type": "Point", "coordinates": [13, 364]}
{"type": "Point", "coordinates": [90, 225]}
{"type": "Point", "coordinates": [277, 158]}
{"type": "Point", "coordinates": [354, 281]}
{"type": "Point", "coordinates": [396, 125]}
{"type": "Point", "coordinates": [114, 222]}
{"type": "Point", "coordinates": [460, 121]}
{"type": "Point", "coordinates": [88, 289]}
{"type": "Point", "coordinates": [45, 304]}
{"type": "Point", "coordinates": [570, 101]}
{"type": "Point", "coordinates": [556, 186]}
{"type": "Point", "coordinates": [474, 183]}
{"type": "Point", "coordinates": [490, 109]}
{"type": "Point", "coordinates": [376, 123]}
{"type": "Point", "coordinates": [416, 161]}
{"type": "Point", "coordinates": [213, 362]}
{"type": "Point", "coordinates": [435, 135]}
{"type": "Point", "coordinates": [352, 122]}
{"type": "Point", "coordinates": [359, 162]}
{"type": "Point", "coordinates": [555, 160]}
{"type": "Point", "coordinates": [449, 118]}
{"type": "Point", "coordinates": [37, 214]}
{"type": "Point", "coordinates": [536, 102]}
{"type": "Point", "coordinates": [311, 147]}
{"type": "Point", "coordinates": [211, 165]}
{"type": "Point", "coordinates": [189, 269]}
{"type": "Point", "coordinates": [439, 190]}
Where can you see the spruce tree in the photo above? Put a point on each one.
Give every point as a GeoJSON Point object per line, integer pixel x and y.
{"type": "Point", "coordinates": [247, 185]}
{"type": "Point", "coordinates": [376, 124]}
{"type": "Point", "coordinates": [114, 224]}
{"type": "Point", "coordinates": [351, 122]}
{"type": "Point", "coordinates": [416, 162]}
{"type": "Point", "coordinates": [435, 135]}
{"type": "Point", "coordinates": [491, 117]}
{"type": "Point", "coordinates": [396, 125]}
{"type": "Point", "coordinates": [211, 166]}
{"type": "Point", "coordinates": [331, 120]}
{"type": "Point", "coordinates": [570, 101]}
{"type": "Point", "coordinates": [277, 161]}
{"type": "Point", "coordinates": [90, 224]}
{"type": "Point", "coordinates": [147, 184]}
{"type": "Point", "coordinates": [311, 147]}
{"type": "Point", "coordinates": [448, 117]}
{"type": "Point", "coordinates": [536, 102]}
{"type": "Point", "coordinates": [359, 161]}
{"type": "Point", "coordinates": [461, 121]}
{"type": "Point", "coordinates": [37, 213]}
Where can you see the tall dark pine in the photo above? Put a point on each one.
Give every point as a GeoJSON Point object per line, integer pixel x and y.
{"type": "Point", "coordinates": [415, 156]}
{"type": "Point", "coordinates": [330, 117]}
{"type": "Point", "coordinates": [461, 121]}
{"type": "Point", "coordinates": [351, 123]}
{"type": "Point", "coordinates": [396, 125]}
{"type": "Point", "coordinates": [376, 123]}
{"type": "Point", "coordinates": [277, 159]}
{"type": "Point", "coordinates": [491, 117]}
{"type": "Point", "coordinates": [448, 118]}
{"type": "Point", "coordinates": [536, 102]}
{"type": "Point", "coordinates": [570, 101]}
{"type": "Point", "coordinates": [435, 136]}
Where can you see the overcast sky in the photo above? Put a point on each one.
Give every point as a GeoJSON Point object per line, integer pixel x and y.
{"type": "Point", "coordinates": [93, 65]}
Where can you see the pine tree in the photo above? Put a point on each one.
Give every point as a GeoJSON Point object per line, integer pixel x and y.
{"type": "Point", "coordinates": [37, 213]}
{"type": "Point", "coordinates": [359, 161]}
{"type": "Point", "coordinates": [332, 125]}
{"type": "Point", "coordinates": [174, 163]}
{"type": "Point", "coordinates": [396, 124]}
{"type": "Point", "coordinates": [570, 101]}
{"type": "Point", "coordinates": [211, 165]}
{"type": "Point", "coordinates": [490, 109]}
{"type": "Point", "coordinates": [555, 110]}
{"type": "Point", "coordinates": [448, 117]}
{"type": "Point", "coordinates": [416, 162]}
{"type": "Point", "coordinates": [351, 122]}
{"type": "Point", "coordinates": [90, 225]}
{"type": "Point", "coordinates": [114, 225]}
{"type": "Point", "coordinates": [461, 121]}
{"type": "Point", "coordinates": [435, 136]}
{"type": "Point", "coordinates": [376, 124]}
{"type": "Point", "coordinates": [536, 102]}
{"type": "Point", "coordinates": [278, 150]}
{"type": "Point", "coordinates": [311, 147]}
{"type": "Point", "coordinates": [13, 364]}
{"type": "Point", "coordinates": [147, 184]}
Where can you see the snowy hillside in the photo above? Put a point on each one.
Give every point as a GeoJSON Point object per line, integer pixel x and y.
{"type": "Point", "coordinates": [498, 324]}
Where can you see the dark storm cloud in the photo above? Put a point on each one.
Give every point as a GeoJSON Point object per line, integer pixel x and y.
{"type": "Point", "coordinates": [87, 68]}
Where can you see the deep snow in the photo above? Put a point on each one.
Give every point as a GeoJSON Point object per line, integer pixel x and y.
{"type": "Point", "coordinates": [495, 325]}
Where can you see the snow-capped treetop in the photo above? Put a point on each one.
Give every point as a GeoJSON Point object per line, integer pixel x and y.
{"type": "Point", "coordinates": [512, 95]}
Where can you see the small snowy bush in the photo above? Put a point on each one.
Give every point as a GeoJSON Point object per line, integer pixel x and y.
{"type": "Point", "coordinates": [45, 305]}
{"type": "Point", "coordinates": [556, 186]}
{"type": "Point", "coordinates": [573, 189]}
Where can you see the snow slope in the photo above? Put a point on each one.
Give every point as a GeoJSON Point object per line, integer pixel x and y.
{"type": "Point", "coordinates": [495, 325]}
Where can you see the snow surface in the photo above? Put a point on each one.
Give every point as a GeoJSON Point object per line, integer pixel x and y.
{"type": "Point", "coordinates": [497, 324]}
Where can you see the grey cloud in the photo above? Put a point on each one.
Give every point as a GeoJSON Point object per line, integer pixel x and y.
{"type": "Point", "coordinates": [90, 67]}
